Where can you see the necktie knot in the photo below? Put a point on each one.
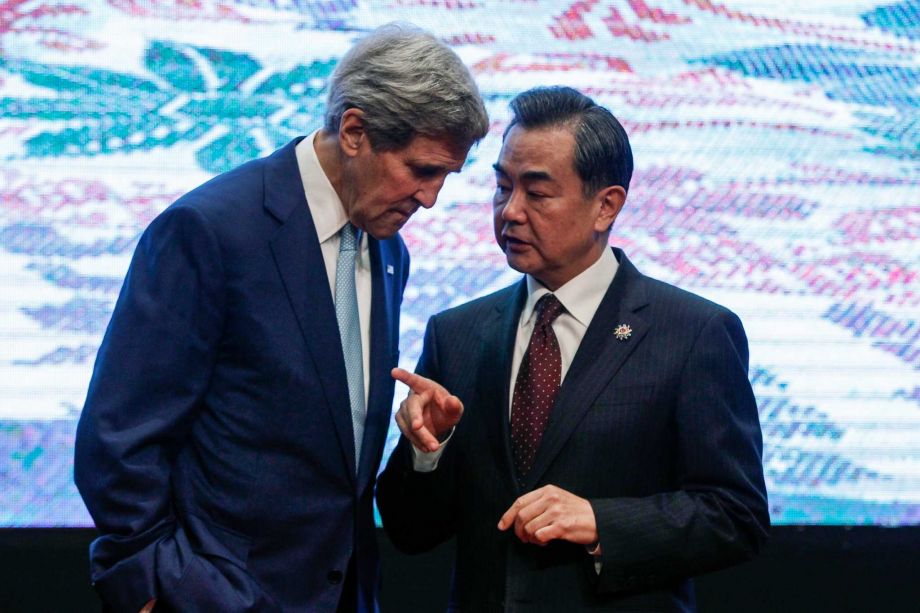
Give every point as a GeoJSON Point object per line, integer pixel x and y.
{"type": "Point", "coordinates": [548, 309]}
{"type": "Point", "coordinates": [349, 238]}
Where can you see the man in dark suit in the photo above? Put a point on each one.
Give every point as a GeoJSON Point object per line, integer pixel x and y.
{"type": "Point", "coordinates": [238, 409]}
{"type": "Point", "coordinates": [610, 446]}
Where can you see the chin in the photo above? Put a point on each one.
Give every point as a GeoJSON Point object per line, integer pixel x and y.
{"type": "Point", "coordinates": [515, 262]}
{"type": "Point", "coordinates": [383, 231]}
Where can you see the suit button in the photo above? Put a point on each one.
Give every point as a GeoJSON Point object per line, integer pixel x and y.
{"type": "Point", "coordinates": [334, 576]}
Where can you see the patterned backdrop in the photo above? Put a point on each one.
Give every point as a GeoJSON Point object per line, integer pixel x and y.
{"type": "Point", "coordinates": [777, 148]}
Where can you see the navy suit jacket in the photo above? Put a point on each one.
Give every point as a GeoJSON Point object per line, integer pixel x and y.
{"type": "Point", "coordinates": [215, 451]}
{"type": "Point", "coordinates": [659, 431]}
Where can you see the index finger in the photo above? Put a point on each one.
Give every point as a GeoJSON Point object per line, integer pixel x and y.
{"type": "Point", "coordinates": [507, 519]}
{"type": "Point", "coordinates": [515, 508]}
{"type": "Point", "coordinates": [416, 383]}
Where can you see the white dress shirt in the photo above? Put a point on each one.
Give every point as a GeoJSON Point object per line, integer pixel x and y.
{"type": "Point", "coordinates": [329, 217]}
{"type": "Point", "coordinates": [581, 297]}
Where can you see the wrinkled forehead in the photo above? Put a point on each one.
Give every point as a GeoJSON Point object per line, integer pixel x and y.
{"type": "Point", "coordinates": [439, 150]}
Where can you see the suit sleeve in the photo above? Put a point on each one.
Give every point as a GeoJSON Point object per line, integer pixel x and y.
{"type": "Point", "coordinates": [151, 373]}
{"type": "Point", "coordinates": [419, 509]}
{"type": "Point", "coordinates": [719, 514]}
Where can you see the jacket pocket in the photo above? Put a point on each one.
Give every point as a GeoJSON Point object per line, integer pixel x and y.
{"type": "Point", "coordinates": [212, 539]}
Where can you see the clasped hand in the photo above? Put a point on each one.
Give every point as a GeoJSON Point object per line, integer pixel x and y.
{"type": "Point", "coordinates": [551, 513]}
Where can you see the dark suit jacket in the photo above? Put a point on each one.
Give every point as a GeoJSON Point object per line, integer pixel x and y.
{"type": "Point", "coordinates": [659, 432]}
{"type": "Point", "coordinates": [215, 450]}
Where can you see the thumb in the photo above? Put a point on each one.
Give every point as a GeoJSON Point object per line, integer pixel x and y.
{"type": "Point", "coordinates": [452, 407]}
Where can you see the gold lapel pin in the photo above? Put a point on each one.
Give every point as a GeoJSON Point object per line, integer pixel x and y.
{"type": "Point", "coordinates": [622, 332]}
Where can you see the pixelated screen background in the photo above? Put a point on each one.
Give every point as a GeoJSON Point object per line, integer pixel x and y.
{"type": "Point", "coordinates": [777, 148]}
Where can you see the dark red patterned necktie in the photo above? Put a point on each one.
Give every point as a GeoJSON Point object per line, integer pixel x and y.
{"type": "Point", "coordinates": [538, 382]}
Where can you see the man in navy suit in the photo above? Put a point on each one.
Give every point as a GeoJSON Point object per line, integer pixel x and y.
{"type": "Point", "coordinates": [239, 405]}
{"type": "Point", "coordinates": [609, 446]}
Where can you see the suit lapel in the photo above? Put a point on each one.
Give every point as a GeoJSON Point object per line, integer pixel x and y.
{"type": "Point", "coordinates": [493, 380]}
{"type": "Point", "coordinates": [599, 357]}
{"type": "Point", "coordinates": [299, 259]}
{"type": "Point", "coordinates": [383, 315]}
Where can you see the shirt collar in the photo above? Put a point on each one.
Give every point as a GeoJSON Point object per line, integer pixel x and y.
{"type": "Point", "coordinates": [326, 207]}
{"type": "Point", "coordinates": [582, 295]}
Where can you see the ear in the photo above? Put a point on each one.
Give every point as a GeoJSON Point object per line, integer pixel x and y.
{"type": "Point", "coordinates": [352, 136]}
{"type": "Point", "coordinates": [611, 199]}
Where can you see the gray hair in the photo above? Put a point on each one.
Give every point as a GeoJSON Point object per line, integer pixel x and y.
{"type": "Point", "coordinates": [407, 83]}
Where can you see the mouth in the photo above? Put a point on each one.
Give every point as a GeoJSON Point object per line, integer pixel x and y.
{"type": "Point", "coordinates": [514, 245]}
{"type": "Point", "coordinates": [402, 215]}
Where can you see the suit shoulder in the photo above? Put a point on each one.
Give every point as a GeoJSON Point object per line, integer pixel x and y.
{"type": "Point", "coordinates": [228, 192]}
{"type": "Point", "coordinates": [180, 219]}
{"type": "Point", "coordinates": [475, 309]}
{"type": "Point", "coordinates": [682, 305]}
{"type": "Point", "coordinates": [230, 205]}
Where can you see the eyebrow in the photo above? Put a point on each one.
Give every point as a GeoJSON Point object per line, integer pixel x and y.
{"type": "Point", "coordinates": [429, 168]}
{"type": "Point", "coordinates": [424, 165]}
{"type": "Point", "coordinates": [527, 175]}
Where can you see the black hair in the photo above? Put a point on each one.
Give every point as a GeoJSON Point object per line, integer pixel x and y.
{"type": "Point", "coordinates": [602, 153]}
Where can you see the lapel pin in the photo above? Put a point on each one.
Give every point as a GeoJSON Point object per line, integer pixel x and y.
{"type": "Point", "coordinates": [389, 269]}
{"type": "Point", "coordinates": [622, 332]}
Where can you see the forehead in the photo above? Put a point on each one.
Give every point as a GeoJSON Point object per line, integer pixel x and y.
{"type": "Point", "coordinates": [437, 151]}
{"type": "Point", "coordinates": [549, 150]}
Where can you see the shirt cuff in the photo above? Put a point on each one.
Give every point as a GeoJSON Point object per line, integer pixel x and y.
{"type": "Point", "coordinates": [595, 552]}
{"type": "Point", "coordinates": [427, 461]}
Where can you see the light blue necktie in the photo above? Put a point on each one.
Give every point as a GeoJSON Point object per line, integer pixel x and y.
{"type": "Point", "coordinates": [346, 312]}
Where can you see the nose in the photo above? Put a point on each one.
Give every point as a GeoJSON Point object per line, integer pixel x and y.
{"type": "Point", "coordinates": [425, 199]}
{"type": "Point", "coordinates": [513, 211]}
{"type": "Point", "coordinates": [427, 193]}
